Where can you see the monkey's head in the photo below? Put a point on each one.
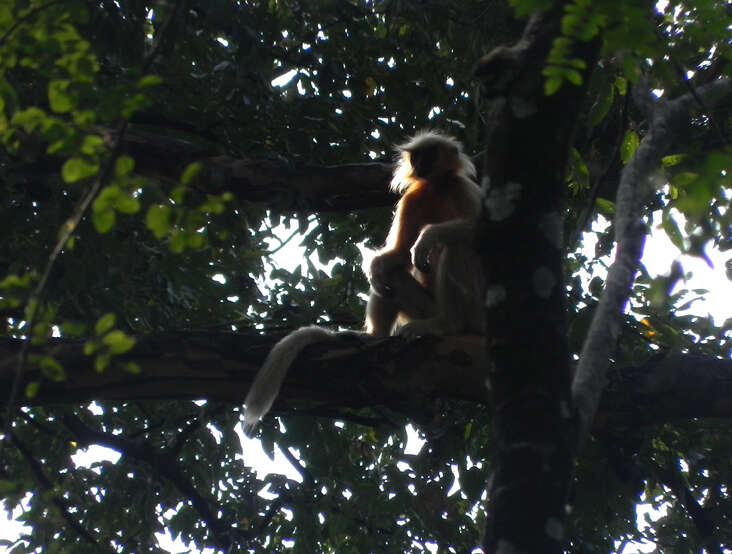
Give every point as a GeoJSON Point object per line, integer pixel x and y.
{"type": "Point", "coordinates": [431, 156]}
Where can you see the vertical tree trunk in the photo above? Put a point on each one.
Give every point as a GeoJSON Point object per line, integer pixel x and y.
{"type": "Point", "coordinates": [529, 137]}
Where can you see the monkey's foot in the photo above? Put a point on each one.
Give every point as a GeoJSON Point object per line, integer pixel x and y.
{"type": "Point", "coordinates": [421, 328]}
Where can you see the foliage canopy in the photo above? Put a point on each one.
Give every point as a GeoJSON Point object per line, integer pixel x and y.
{"type": "Point", "coordinates": [154, 152]}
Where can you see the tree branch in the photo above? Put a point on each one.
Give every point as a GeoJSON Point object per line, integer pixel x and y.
{"type": "Point", "coordinates": [405, 376]}
{"type": "Point", "coordinates": [666, 118]}
{"type": "Point", "coordinates": [48, 486]}
{"type": "Point", "coordinates": [164, 463]}
{"type": "Point", "coordinates": [671, 475]}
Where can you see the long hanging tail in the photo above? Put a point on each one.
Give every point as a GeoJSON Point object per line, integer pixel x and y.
{"type": "Point", "coordinates": [268, 381]}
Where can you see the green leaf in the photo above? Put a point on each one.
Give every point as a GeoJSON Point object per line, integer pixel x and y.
{"type": "Point", "coordinates": [123, 165]}
{"type": "Point", "coordinates": [31, 389]}
{"type": "Point", "coordinates": [92, 145]}
{"type": "Point", "coordinates": [631, 68]}
{"type": "Point", "coordinates": [103, 220]}
{"type": "Point", "coordinates": [579, 172]}
{"type": "Point", "coordinates": [158, 220]}
{"type": "Point", "coordinates": [105, 323]}
{"type": "Point", "coordinates": [101, 362]}
{"type": "Point", "coordinates": [573, 76]}
{"type": "Point", "coordinates": [52, 369]}
{"type": "Point", "coordinates": [196, 240]}
{"type": "Point", "coordinates": [190, 172]}
{"type": "Point", "coordinates": [672, 160]}
{"type": "Point", "coordinates": [177, 241]}
{"type": "Point", "coordinates": [605, 207]}
{"type": "Point", "coordinates": [132, 367]}
{"type": "Point", "coordinates": [58, 96]}
{"type": "Point", "coordinates": [127, 204]}
{"type": "Point", "coordinates": [72, 328]}
{"type": "Point", "coordinates": [90, 347]}
{"type": "Point", "coordinates": [106, 198]}
{"type": "Point", "coordinates": [601, 106]}
{"type": "Point", "coordinates": [672, 231]}
{"type": "Point", "coordinates": [133, 104]}
{"type": "Point", "coordinates": [75, 169]}
{"type": "Point", "coordinates": [177, 194]}
{"type": "Point", "coordinates": [118, 342]}
{"type": "Point", "coordinates": [213, 204]}
{"type": "Point", "coordinates": [629, 146]}
{"type": "Point", "coordinates": [552, 85]}
{"type": "Point", "coordinates": [15, 281]}
{"type": "Point", "coordinates": [29, 119]}
{"type": "Point", "coordinates": [684, 179]}
{"type": "Point", "coordinates": [149, 81]}
{"type": "Point", "coordinates": [6, 15]}
{"type": "Point", "coordinates": [577, 63]}
{"type": "Point", "coordinates": [621, 83]}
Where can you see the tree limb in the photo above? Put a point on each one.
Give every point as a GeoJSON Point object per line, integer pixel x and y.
{"type": "Point", "coordinates": [671, 476]}
{"type": "Point", "coordinates": [163, 462]}
{"type": "Point", "coordinates": [404, 376]}
{"type": "Point", "coordinates": [666, 118]}
{"type": "Point", "coordinates": [49, 487]}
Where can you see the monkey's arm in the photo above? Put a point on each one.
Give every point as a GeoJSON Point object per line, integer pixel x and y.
{"type": "Point", "coordinates": [446, 234]}
{"type": "Point", "coordinates": [402, 235]}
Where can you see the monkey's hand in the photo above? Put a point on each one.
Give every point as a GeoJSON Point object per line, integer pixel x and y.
{"type": "Point", "coordinates": [381, 270]}
{"type": "Point", "coordinates": [420, 328]}
{"type": "Point", "coordinates": [425, 247]}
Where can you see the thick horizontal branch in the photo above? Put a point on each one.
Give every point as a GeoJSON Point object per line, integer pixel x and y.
{"type": "Point", "coordinates": [270, 179]}
{"type": "Point", "coordinates": [327, 188]}
{"type": "Point", "coordinates": [375, 372]}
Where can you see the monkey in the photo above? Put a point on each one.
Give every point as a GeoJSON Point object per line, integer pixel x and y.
{"type": "Point", "coordinates": [436, 181]}
{"type": "Point", "coordinates": [433, 221]}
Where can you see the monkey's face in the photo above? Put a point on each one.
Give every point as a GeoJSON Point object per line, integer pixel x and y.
{"type": "Point", "coordinates": [431, 161]}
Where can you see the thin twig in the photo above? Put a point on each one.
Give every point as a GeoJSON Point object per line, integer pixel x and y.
{"type": "Point", "coordinates": [283, 243]}
{"type": "Point", "coordinates": [584, 218]}
{"type": "Point", "coordinates": [301, 469]}
{"type": "Point", "coordinates": [700, 101]}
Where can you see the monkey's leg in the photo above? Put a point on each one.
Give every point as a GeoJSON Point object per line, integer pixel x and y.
{"type": "Point", "coordinates": [458, 290]}
{"type": "Point", "coordinates": [414, 300]}
{"type": "Point", "coordinates": [381, 313]}
{"type": "Point", "coordinates": [407, 297]}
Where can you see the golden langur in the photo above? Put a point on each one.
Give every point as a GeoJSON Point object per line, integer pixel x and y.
{"type": "Point", "coordinates": [425, 280]}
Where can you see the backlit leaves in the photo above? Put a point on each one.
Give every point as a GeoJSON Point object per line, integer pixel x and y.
{"type": "Point", "coordinates": [630, 144]}
{"type": "Point", "coordinates": [109, 342]}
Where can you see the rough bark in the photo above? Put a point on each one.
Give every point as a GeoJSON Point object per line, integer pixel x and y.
{"type": "Point", "coordinates": [528, 140]}
{"type": "Point", "coordinates": [404, 376]}
{"type": "Point", "coordinates": [272, 179]}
